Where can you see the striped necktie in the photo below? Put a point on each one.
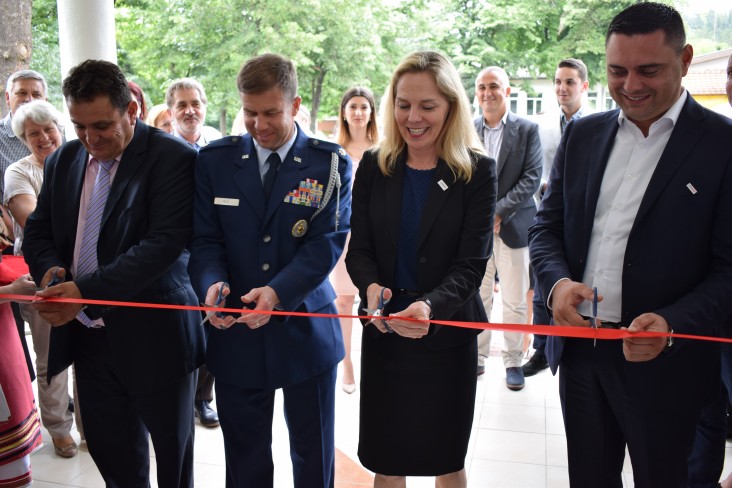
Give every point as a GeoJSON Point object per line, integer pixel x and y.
{"type": "Point", "coordinates": [88, 251]}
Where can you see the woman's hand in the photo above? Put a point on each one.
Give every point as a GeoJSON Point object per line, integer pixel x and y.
{"type": "Point", "coordinates": [415, 329]}
{"type": "Point", "coordinates": [23, 286]}
{"type": "Point", "coordinates": [373, 297]}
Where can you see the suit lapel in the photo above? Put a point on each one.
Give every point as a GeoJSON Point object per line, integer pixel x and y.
{"type": "Point", "coordinates": [602, 142]}
{"type": "Point", "coordinates": [435, 200]}
{"type": "Point", "coordinates": [393, 201]}
{"type": "Point", "coordinates": [133, 157]}
{"type": "Point", "coordinates": [510, 134]}
{"type": "Point", "coordinates": [689, 128]}
{"type": "Point", "coordinates": [75, 182]}
{"type": "Point", "coordinates": [247, 177]}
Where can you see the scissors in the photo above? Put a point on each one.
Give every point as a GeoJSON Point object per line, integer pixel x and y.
{"type": "Point", "coordinates": [219, 301]}
{"type": "Point", "coordinates": [593, 319]}
{"type": "Point", "coordinates": [55, 279]}
{"type": "Point", "coordinates": [379, 310]}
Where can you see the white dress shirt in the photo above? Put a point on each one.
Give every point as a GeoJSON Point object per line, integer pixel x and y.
{"type": "Point", "coordinates": [631, 165]}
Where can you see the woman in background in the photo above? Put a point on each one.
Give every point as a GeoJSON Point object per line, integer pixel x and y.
{"type": "Point", "coordinates": [357, 132]}
{"type": "Point", "coordinates": [138, 95]}
{"type": "Point", "coordinates": [37, 124]}
{"type": "Point", "coordinates": [159, 116]}
{"type": "Point", "coordinates": [19, 423]}
{"type": "Point", "coordinates": [421, 235]}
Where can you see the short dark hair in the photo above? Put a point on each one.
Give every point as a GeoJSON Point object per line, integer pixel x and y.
{"type": "Point", "coordinates": [93, 78]}
{"type": "Point", "coordinates": [648, 17]}
{"type": "Point", "coordinates": [577, 64]}
{"type": "Point", "coordinates": [267, 71]}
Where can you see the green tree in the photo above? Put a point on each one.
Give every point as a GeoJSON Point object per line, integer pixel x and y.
{"type": "Point", "coordinates": [526, 37]}
{"type": "Point", "coordinates": [46, 57]}
{"type": "Point", "coordinates": [334, 45]}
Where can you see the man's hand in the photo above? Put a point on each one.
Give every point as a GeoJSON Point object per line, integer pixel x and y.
{"type": "Point", "coordinates": [496, 224]}
{"type": "Point", "coordinates": [373, 295]}
{"type": "Point", "coordinates": [409, 328]}
{"type": "Point", "coordinates": [265, 299]}
{"type": "Point", "coordinates": [58, 314]}
{"type": "Point", "coordinates": [212, 295]}
{"type": "Point", "coordinates": [639, 349]}
{"type": "Point", "coordinates": [565, 298]}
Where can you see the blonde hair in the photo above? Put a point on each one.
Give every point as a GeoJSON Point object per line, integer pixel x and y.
{"type": "Point", "coordinates": [154, 114]}
{"type": "Point", "coordinates": [458, 137]}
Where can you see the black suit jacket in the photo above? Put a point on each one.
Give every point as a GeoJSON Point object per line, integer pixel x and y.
{"type": "Point", "coordinates": [146, 225]}
{"type": "Point", "coordinates": [678, 259]}
{"type": "Point", "coordinates": [519, 168]}
{"type": "Point", "coordinates": [455, 240]}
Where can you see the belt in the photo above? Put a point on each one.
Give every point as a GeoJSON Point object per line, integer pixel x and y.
{"type": "Point", "coordinates": [605, 325]}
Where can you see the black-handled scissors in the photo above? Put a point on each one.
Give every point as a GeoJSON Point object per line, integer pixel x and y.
{"type": "Point", "coordinates": [379, 310]}
{"type": "Point", "coordinates": [219, 301]}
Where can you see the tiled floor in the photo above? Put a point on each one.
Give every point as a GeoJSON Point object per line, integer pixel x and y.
{"type": "Point", "coordinates": [517, 442]}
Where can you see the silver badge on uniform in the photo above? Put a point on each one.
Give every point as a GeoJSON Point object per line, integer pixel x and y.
{"type": "Point", "coordinates": [300, 228]}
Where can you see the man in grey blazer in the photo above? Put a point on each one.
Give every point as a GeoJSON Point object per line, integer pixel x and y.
{"type": "Point", "coordinates": [514, 143]}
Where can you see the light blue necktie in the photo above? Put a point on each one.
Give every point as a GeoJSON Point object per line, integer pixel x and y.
{"type": "Point", "coordinates": [88, 252]}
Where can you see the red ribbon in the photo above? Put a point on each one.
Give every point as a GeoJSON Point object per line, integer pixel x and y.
{"type": "Point", "coordinates": [549, 330]}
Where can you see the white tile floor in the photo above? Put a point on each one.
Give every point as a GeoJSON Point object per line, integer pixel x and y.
{"type": "Point", "coordinates": [517, 442]}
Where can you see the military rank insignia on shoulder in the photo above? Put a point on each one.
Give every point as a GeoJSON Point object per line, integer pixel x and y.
{"type": "Point", "coordinates": [327, 146]}
{"type": "Point", "coordinates": [224, 142]}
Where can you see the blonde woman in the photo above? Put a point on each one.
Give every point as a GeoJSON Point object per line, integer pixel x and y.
{"type": "Point", "coordinates": [423, 206]}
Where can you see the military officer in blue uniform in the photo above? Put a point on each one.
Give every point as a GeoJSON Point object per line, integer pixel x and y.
{"type": "Point", "coordinates": [272, 212]}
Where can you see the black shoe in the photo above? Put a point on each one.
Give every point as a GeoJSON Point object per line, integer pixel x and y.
{"type": "Point", "coordinates": [71, 404]}
{"type": "Point", "coordinates": [481, 369]}
{"type": "Point", "coordinates": [206, 414]}
{"type": "Point", "coordinates": [536, 363]}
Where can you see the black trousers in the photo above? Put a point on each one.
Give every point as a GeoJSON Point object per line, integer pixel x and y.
{"type": "Point", "coordinates": [117, 421]}
{"type": "Point", "coordinates": [602, 417]}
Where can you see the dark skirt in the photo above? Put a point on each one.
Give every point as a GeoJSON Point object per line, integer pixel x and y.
{"type": "Point", "coordinates": [416, 405]}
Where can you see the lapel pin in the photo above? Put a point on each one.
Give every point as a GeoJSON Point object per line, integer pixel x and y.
{"type": "Point", "coordinates": [691, 188]}
{"type": "Point", "coordinates": [442, 185]}
{"type": "Point", "coordinates": [245, 156]}
{"type": "Point", "coordinates": [297, 159]}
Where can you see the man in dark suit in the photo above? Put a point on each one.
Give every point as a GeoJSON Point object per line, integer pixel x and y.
{"type": "Point", "coordinates": [113, 219]}
{"type": "Point", "coordinates": [638, 206]}
{"type": "Point", "coordinates": [570, 83]}
{"type": "Point", "coordinates": [271, 217]}
{"type": "Point", "coordinates": [514, 143]}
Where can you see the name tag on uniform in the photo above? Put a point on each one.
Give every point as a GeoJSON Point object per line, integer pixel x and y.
{"type": "Point", "coordinates": [229, 202]}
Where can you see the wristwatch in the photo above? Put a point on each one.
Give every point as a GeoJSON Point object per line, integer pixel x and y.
{"type": "Point", "coordinates": [429, 304]}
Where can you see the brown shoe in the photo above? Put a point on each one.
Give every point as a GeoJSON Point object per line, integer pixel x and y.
{"type": "Point", "coordinates": [67, 450]}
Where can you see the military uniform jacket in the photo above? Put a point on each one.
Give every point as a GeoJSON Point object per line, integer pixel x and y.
{"type": "Point", "coordinates": [249, 243]}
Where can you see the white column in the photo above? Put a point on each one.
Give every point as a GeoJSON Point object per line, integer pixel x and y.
{"type": "Point", "coordinates": [85, 31]}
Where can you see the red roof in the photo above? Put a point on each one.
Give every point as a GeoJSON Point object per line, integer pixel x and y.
{"type": "Point", "coordinates": [705, 81]}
